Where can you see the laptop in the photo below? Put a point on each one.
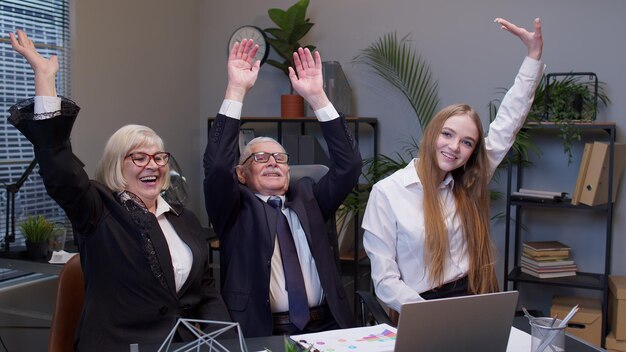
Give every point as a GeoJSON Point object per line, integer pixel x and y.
{"type": "Point", "coordinates": [468, 323]}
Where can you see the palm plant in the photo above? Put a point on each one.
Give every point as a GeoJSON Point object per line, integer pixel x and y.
{"type": "Point", "coordinates": [397, 62]}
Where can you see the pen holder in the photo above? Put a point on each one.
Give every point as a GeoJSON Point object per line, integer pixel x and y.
{"type": "Point", "coordinates": [547, 335]}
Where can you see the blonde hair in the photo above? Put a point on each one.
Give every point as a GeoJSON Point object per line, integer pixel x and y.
{"type": "Point", "coordinates": [471, 196]}
{"type": "Point", "coordinates": [124, 140]}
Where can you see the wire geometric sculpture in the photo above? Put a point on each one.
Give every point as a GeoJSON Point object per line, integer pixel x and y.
{"type": "Point", "coordinates": [208, 339]}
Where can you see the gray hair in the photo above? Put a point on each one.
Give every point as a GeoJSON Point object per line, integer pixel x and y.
{"type": "Point", "coordinates": [247, 150]}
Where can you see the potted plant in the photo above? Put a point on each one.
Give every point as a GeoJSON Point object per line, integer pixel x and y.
{"type": "Point", "coordinates": [293, 25]}
{"type": "Point", "coordinates": [38, 231]}
{"type": "Point", "coordinates": [564, 101]}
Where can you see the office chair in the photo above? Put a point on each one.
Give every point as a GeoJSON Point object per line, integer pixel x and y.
{"type": "Point", "coordinates": [314, 171]}
{"type": "Point", "coordinates": [67, 308]}
{"type": "Point", "coordinates": [369, 304]}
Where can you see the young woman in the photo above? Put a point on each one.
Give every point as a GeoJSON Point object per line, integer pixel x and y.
{"type": "Point", "coordinates": [427, 230]}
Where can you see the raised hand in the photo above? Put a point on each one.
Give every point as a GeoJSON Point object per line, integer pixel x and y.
{"type": "Point", "coordinates": [309, 80]}
{"type": "Point", "coordinates": [45, 69]}
{"type": "Point", "coordinates": [243, 70]}
{"type": "Point", "coordinates": [533, 41]}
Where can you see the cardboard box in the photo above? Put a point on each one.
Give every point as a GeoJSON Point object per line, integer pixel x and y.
{"type": "Point", "coordinates": [617, 306]}
{"type": "Point", "coordinates": [587, 323]}
{"type": "Point", "coordinates": [614, 345]}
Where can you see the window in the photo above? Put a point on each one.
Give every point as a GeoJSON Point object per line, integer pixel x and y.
{"type": "Point", "coordinates": [47, 23]}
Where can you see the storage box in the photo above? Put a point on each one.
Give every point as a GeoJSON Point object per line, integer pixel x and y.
{"type": "Point", "coordinates": [587, 323]}
{"type": "Point", "coordinates": [617, 306]}
{"type": "Point", "coordinates": [614, 345]}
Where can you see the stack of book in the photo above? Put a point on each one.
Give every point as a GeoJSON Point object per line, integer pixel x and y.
{"type": "Point", "coordinates": [547, 259]}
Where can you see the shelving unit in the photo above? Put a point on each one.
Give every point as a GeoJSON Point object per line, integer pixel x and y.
{"type": "Point", "coordinates": [583, 280]}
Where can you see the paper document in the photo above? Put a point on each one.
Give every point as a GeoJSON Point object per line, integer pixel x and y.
{"type": "Point", "coordinates": [60, 257]}
{"type": "Point", "coordinates": [519, 341]}
{"type": "Point", "coordinates": [381, 338]}
{"type": "Point", "coordinates": [377, 338]}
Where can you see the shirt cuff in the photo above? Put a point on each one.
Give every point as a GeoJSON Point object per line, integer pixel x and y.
{"type": "Point", "coordinates": [327, 113]}
{"type": "Point", "coordinates": [231, 109]}
{"type": "Point", "coordinates": [44, 104]}
{"type": "Point", "coordinates": [532, 67]}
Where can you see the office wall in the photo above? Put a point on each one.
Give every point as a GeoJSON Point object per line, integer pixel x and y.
{"type": "Point", "coordinates": [137, 62]}
{"type": "Point", "coordinates": [162, 63]}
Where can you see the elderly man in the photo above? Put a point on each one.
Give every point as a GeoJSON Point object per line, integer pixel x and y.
{"type": "Point", "coordinates": [278, 270]}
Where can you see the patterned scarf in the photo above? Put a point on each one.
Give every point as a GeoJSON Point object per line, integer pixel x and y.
{"type": "Point", "coordinates": [145, 221]}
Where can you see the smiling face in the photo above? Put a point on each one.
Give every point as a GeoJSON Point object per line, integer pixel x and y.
{"type": "Point", "coordinates": [268, 179]}
{"type": "Point", "coordinates": [146, 182]}
{"type": "Point", "coordinates": [456, 142]}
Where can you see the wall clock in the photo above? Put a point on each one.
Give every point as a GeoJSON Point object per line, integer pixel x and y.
{"type": "Point", "coordinates": [254, 33]}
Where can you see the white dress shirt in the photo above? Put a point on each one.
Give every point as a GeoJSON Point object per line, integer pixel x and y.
{"type": "Point", "coordinates": [394, 222]}
{"type": "Point", "coordinates": [182, 257]}
{"type": "Point", "coordinates": [279, 299]}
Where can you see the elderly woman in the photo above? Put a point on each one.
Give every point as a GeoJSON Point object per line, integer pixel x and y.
{"type": "Point", "coordinates": [144, 260]}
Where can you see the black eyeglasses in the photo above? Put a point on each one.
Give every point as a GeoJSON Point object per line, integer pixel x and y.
{"type": "Point", "coordinates": [263, 157]}
{"type": "Point", "coordinates": [143, 159]}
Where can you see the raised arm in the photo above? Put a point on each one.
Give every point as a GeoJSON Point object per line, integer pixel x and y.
{"type": "Point", "coordinates": [243, 70]}
{"type": "Point", "coordinates": [45, 69]}
{"type": "Point", "coordinates": [308, 82]}
{"type": "Point", "coordinates": [532, 40]}
{"type": "Point", "coordinates": [518, 100]}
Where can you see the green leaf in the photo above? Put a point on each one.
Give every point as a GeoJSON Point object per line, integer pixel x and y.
{"type": "Point", "coordinates": [563, 101]}
{"type": "Point", "coordinates": [279, 17]}
{"type": "Point", "coordinates": [293, 25]}
{"type": "Point", "coordinates": [397, 62]}
{"type": "Point", "coordinates": [278, 33]}
{"type": "Point", "coordinates": [299, 31]}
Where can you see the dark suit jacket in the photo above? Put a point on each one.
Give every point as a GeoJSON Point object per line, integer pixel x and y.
{"type": "Point", "coordinates": [247, 236]}
{"type": "Point", "coordinates": [130, 294]}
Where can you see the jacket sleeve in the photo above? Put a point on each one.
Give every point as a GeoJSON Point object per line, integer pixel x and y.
{"type": "Point", "coordinates": [221, 189]}
{"type": "Point", "coordinates": [62, 173]}
{"type": "Point", "coordinates": [345, 166]}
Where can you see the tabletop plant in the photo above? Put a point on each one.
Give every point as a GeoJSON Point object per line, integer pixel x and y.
{"type": "Point", "coordinates": [293, 25]}
{"type": "Point", "coordinates": [37, 229]}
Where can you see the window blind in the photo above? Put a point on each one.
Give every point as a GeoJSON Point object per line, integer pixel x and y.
{"type": "Point", "coordinates": [47, 23]}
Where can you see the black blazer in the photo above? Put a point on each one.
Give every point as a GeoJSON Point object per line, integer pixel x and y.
{"type": "Point", "coordinates": [247, 236]}
{"type": "Point", "coordinates": [130, 294]}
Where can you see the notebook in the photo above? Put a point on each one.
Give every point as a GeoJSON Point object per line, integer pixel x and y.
{"type": "Point", "coordinates": [468, 323]}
